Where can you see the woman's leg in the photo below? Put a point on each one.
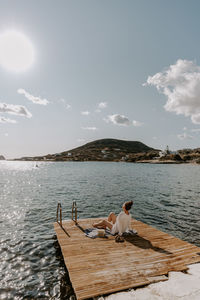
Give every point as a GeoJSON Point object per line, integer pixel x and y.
{"type": "Point", "coordinates": [103, 224]}
{"type": "Point", "coordinates": [112, 218]}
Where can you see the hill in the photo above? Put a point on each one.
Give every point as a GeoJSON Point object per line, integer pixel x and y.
{"type": "Point", "coordinates": [121, 150]}
{"type": "Point", "coordinates": [103, 150]}
{"type": "Point", "coordinates": [112, 145]}
{"type": "Point", "coordinates": [107, 148]}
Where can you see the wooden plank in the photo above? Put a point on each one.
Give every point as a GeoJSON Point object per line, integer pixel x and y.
{"type": "Point", "coordinates": [102, 266]}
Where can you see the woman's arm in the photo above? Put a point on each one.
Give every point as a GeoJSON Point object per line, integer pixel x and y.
{"type": "Point", "coordinates": [119, 224]}
{"type": "Point", "coordinates": [129, 224]}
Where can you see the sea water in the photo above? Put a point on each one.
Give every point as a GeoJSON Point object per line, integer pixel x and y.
{"type": "Point", "coordinates": [31, 264]}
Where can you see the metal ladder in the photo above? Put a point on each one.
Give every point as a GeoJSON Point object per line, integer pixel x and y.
{"type": "Point", "coordinates": [74, 212]}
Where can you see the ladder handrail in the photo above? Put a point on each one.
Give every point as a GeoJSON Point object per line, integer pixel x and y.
{"type": "Point", "coordinates": [74, 207]}
{"type": "Point", "coordinates": [59, 206]}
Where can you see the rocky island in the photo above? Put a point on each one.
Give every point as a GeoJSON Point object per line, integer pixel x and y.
{"type": "Point", "coordinates": [120, 150]}
{"type": "Point", "coordinates": [103, 150]}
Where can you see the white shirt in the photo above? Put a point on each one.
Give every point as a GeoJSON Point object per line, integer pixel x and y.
{"type": "Point", "coordinates": [123, 223]}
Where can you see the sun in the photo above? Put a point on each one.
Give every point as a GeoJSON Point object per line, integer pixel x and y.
{"type": "Point", "coordinates": [16, 51]}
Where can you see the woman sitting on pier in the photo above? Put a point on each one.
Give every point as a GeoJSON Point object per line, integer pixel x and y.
{"type": "Point", "coordinates": [117, 224]}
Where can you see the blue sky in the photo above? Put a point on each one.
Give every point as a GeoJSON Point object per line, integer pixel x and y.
{"type": "Point", "coordinates": [91, 62]}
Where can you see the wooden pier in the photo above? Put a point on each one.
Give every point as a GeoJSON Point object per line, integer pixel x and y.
{"type": "Point", "coordinates": [101, 266]}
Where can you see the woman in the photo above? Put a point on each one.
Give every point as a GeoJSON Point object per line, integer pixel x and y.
{"type": "Point", "coordinates": [117, 224]}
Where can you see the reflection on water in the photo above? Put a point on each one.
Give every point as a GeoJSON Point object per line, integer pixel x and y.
{"type": "Point", "coordinates": [31, 263]}
{"type": "Point", "coordinates": [19, 165]}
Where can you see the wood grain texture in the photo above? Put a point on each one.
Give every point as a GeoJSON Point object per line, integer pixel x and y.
{"type": "Point", "coordinates": [102, 266]}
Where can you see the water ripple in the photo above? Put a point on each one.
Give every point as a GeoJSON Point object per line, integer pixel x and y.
{"type": "Point", "coordinates": [31, 263]}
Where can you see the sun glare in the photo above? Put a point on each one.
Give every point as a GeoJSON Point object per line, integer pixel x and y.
{"type": "Point", "coordinates": [16, 51]}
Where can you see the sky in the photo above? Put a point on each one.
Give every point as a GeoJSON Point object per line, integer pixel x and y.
{"type": "Point", "coordinates": [75, 71]}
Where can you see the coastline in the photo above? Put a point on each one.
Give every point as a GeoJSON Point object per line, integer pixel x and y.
{"type": "Point", "coordinates": [114, 150]}
{"type": "Point", "coordinates": [153, 161]}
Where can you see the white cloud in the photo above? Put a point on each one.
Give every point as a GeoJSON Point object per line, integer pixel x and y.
{"type": "Point", "coordinates": [137, 123]}
{"type": "Point", "coordinates": [6, 120]}
{"type": "Point", "coordinates": [102, 105]}
{"type": "Point", "coordinates": [118, 120]}
{"type": "Point", "coordinates": [89, 128]}
{"type": "Point", "coordinates": [18, 110]}
{"type": "Point", "coordinates": [34, 99]}
{"type": "Point", "coordinates": [180, 83]}
{"type": "Point", "coordinates": [67, 106]}
{"type": "Point", "coordinates": [184, 136]}
{"type": "Point", "coordinates": [85, 113]}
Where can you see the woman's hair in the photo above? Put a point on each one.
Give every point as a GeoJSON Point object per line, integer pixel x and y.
{"type": "Point", "coordinates": [128, 205]}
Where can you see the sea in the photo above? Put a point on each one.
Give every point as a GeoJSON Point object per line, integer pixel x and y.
{"type": "Point", "coordinates": [31, 264]}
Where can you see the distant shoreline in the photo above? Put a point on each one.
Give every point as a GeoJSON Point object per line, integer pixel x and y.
{"type": "Point", "coordinates": [114, 150]}
{"type": "Point", "coordinates": [155, 162]}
